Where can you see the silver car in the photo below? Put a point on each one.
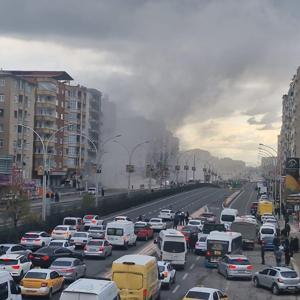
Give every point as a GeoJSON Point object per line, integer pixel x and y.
{"type": "Point", "coordinates": [235, 266]}
{"type": "Point", "coordinates": [97, 232]}
{"type": "Point", "coordinates": [80, 239]}
{"type": "Point", "coordinates": [277, 279]}
{"type": "Point", "coordinates": [70, 268]}
{"type": "Point", "coordinates": [98, 248]}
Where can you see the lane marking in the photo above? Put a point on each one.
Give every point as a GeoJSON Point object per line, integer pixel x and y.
{"type": "Point", "coordinates": [176, 289]}
{"type": "Point", "coordinates": [192, 266]}
{"type": "Point", "coordinates": [198, 257]}
{"type": "Point", "coordinates": [185, 276]}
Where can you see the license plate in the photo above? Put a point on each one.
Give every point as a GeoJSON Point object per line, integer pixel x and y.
{"type": "Point", "coordinates": [291, 287]}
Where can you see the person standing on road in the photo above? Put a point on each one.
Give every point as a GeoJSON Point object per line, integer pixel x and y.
{"type": "Point", "coordinates": [187, 217]}
{"type": "Point", "coordinates": [287, 252]}
{"type": "Point", "coordinates": [276, 243]}
{"type": "Point", "coordinates": [278, 256]}
{"type": "Point", "coordinates": [175, 221]}
{"type": "Point", "coordinates": [262, 252]}
{"type": "Point", "coordinates": [182, 218]}
{"type": "Point", "coordinates": [287, 229]}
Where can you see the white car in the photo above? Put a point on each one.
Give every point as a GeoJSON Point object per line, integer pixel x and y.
{"type": "Point", "coordinates": [201, 245]}
{"type": "Point", "coordinates": [80, 239]}
{"type": "Point", "coordinates": [17, 265]}
{"type": "Point", "coordinates": [35, 239]}
{"type": "Point", "coordinates": [89, 220]}
{"type": "Point", "coordinates": [157, 224]}
{"type": "Point", "coordinates": [168, 272]}
{"type": "Point", "coordinates": [196, 223]}
{"type": "Point", "coordinates": [92, 191]}
{"type": "Point", "coordinates": [61, 243]}
{"type": "Point", "coordinates": [205, 293]}
{"type": "Point", "coordinates": [14, 249]}
{"type": "Point", "coordinates": [122, 218]}
{"type": "Point", "coordinates": [63, 232]}
{"type": "Point", "coordinates": [97, 232]}
{"type": "Point", "coordinates": [166, 214]}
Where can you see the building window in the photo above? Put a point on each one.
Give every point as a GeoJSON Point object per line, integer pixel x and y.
{"type": "Point", "coordinates": [1, 143]}
{"type": "Point", "coordinates": [1, 112]}
{"type": "Point", "coordinates": [2, 98]}
{"type": "Point", "coordinates": [2, 82]}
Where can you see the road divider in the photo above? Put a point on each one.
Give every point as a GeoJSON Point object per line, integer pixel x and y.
{"type": "Point", "coordinates": [229, 200]}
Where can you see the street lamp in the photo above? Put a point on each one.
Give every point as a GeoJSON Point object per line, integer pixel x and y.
{"type": "Point", "coordinates": [130, 167]}
{"type": "Point", "coordinates": [177, 167]}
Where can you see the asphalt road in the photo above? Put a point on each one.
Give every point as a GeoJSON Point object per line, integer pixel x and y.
{"type": "Point", "coordinates": [187, 201]}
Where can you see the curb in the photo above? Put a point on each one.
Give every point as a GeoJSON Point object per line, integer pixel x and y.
{"type": "Point", "coordinates": [230, 199]}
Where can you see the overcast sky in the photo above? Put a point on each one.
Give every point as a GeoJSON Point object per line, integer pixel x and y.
{"type": "Point", "coordinates": [214, 71]}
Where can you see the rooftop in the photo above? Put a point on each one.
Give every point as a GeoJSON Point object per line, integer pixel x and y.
{"type": "Point", "coordinates": [58, 75]}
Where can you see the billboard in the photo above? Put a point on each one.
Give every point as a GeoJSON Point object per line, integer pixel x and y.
{"type": "Point", "coordinates": [292, 184]}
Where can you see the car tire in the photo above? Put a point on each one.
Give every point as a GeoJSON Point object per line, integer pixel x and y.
{"type": "Point", "coordinates": [275, 289]}
{"type": "Point", "coordinates": [256, 282]}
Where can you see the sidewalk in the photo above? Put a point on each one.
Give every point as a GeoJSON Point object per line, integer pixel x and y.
{"type": "Point", "coordinates": [295, 260]}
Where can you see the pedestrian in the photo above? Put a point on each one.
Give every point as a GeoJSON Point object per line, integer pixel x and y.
{"type": "Point", "coordinates": [52, 196]}
{"type": "Point", "coordinates": [140, 218]}
{"type": "Point", "coordinates": [175, 221]}
{"type": "Point", "coordinates": [262, 252]}
{"type": "Point", "coordinates": [56, 197]}
{"type": "Point", "coordinates": [287, 229]}
{"type": "Point", "coordinates": [102, 192]}
{"type": "Point", "coordinates": [276, 243]}
{"type": "Point", "coordinates": [283, 232]}
{"type": "Point", "coordinates": [295, 244]}
{"type": "Point", "coordinates": [278, 256]}
{"type": "Point", "coordinates": [182, 218]}
{"type": "Point", "coordinates": [287, 256]}
{"type": "Point", "coordinates": [291, 247]}
{"type": "Point", "coordinates": [192, 241]}
{"type": "Point", "coordinates": [187, 217]}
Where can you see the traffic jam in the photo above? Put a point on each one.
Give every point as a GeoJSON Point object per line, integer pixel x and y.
{"type": "Point", "coordinates": [44, 264]}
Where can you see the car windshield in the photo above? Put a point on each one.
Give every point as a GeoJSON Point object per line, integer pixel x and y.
{"type": "Point", "coordinates": [267, 231]}
{"type": "Point", "coordinates": [56, 244]}
{"type": "Point", "coordinates": [207, 228]}
{"type": "Point", "coordinates": [202, 239]}
{"type": "Point", "coordinates": [46, 250]}
{"type": "Point", "coordinates": [95, 243]}
{"type": "Point", "coordinates": [165, 211]}
{"type": "Point", "coordinates": [61, 228]}
{"type": "Point", "coordinates": [96, 228]}
{"type": "Point", "coordinates": [80, 234]}
{"type": "Point", "coordinates": [289, 274]}
{"type": "Point", "coordinates": [227, 218]}
{"type": "Point", "coordinates": [69, 222]}
{"type": "Point", "coordinates": [155, 221]}
{"type": "Point", "coordinates": [173, 247]}
{"type": "Point", "coordinates": [197, 295]}
{"type": "Point", "coordinates": [217, 245]}
{"type": "Point", "coordinates": [8, 262]}
{"type": "Point", "coordinates": [36, 275]}
{"type": "Point", "coordinates": [31, 236]}
{"type": "Point", "coordinates": [115, 231]}
{"type": "Point", "coordinates": [238, 261]}
{"type": "Point", "coordinates": [62, 263]}
{"type": "Point", "coordinates": [194, 222]}
{"type": "Point", "coordinates": [161, 268]}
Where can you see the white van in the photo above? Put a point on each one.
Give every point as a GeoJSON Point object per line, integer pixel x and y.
{"type": "Point", "coordinates": [120, 233]}
{"type": "Point", "coordinates": [92, 289]}
{"type": "Point", "coordinates": [228, 215]}
{"type": "Point", "coordinates": [172, 245]}
{"type": "Point", "coordinates": [73, 221]}
{"type": "Point", "coordinates": [9, 290]}
{"type": "Point", "coordinates": [267, 230]}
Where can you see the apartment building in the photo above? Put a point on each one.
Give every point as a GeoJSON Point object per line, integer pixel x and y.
{"type": "Point", "coordinates": [17, 102]}
{"type": "Point", "coordinates": [289, 144]}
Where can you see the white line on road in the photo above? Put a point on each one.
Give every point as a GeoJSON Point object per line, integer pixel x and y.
{"type": "Point", "coordinates": [185, 276]}
{"type": "Point", "coordinates": [198, 257]}
{"type": "Point", "coordinates": [176, 289]}
{"type": "Point", "coordinates": [192, 266]}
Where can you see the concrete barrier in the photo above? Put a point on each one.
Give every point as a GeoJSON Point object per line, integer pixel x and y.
{"type": "Point", "coordinates": [228, 200]}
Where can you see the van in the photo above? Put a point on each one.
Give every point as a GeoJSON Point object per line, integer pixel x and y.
{"type": "Point", "coordinates": [137, 277]}
{"type": "Point", "coordinates": [120, 233]}
{"type": "Point", "coordinates": [172, 246]}
{"type": "Point", "coordinates": [9, 290]}
{"type": "Point", "coordinates": [73, 221]}
{"type": "Point", "coordinates": [92, 289]}
{"type": "Point", "coordinates": [267, 230]}
{"type": "Point", "coordinates": [228, 216]}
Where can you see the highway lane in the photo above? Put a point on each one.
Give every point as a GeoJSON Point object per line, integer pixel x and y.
{"type": "Point", "coordinates": [187, 201]}
{"type": "Point", "coordinates": [197, 274]}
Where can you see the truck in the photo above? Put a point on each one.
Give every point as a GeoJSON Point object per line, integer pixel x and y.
{"type": "Point", "coordinates": [248, 230]}
{"type": "Point", "coordinates": [264, 207]}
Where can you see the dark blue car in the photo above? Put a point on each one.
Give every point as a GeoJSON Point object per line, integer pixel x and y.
{"type": "Point", "coordinates": [268, 243]}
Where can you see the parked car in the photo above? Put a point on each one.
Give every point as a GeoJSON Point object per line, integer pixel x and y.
{"type": "Point", "coordinates": [41, 282]}
{"type": "Point", "coordinates": [70, 268]}
{"type": "Point", "coordinates": [63, 232]}
{"type": "Point", "coordinates": [45, 256]}
{"type": "Point", "coordinates": [278, 279]}
{"type": "Point", "coordinates": [35, 239]}
{"type": "Point", "coordinates": [157, 224]}
{"type": "Point", "coordinates": [201, 245]}
{"type": "Point", "coordinates": [205, 293]}
{"type": "Point", "coordinates": [14, 249]}
{"type": "Point", "coordinates": [98, 248]}
{"type": "Point", "coordinates": [235, 266]}
{"type": "Point", "coordinates": [61, 243]}
{"type": "Point", "coordinates": [167, 272]}
{"type": "Point", "coordinates": [80, 239]}
{"type": "Point", "coordinates": [97, 231]}
{"type": "Point", "coordinates": [16, 264]}
{"type": "Point", "coordinates": [166, 214]}
{"type": "Point", "coordinates": [143, 230]}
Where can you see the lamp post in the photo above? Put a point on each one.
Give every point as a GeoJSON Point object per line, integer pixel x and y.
{"type": "Point", "coordinates": [130, 167]}
{"type": "Point", "coordinates": [177, 167]}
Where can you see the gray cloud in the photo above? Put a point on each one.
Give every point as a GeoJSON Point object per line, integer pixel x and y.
{"type": "Point", "coordinates": [188, 60]}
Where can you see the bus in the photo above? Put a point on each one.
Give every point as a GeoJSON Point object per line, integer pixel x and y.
{"type": "Point", "coordinates": [221, 243]}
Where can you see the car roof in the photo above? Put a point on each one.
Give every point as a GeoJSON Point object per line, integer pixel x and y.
{"type": "Point", "coordinates": [47, 271]}
{"type": "Point", "coordinates": [203, 289]}
{"type": "Point", "coordinates": [34, 232]}
{"type": "Point", "coordinates": [236, 256]}
{"type": "Point", "coordinates": [66, 259]}
{"type": "Point", "coordinates": [61, 241]}
{"type": "Point", "coordinates": [11, 256]}
{"type": "Point", "coordinates": [283, 269]}
{"type": "Point", "coordinates": [156, 219]}
{"type": "Point", "coordinates": [88, 286]}
{"type": "Point", "coordinates": [138, 259]}
{"type": "Point", "coordinates": [10, 245]}
{"type": "Point", "coordinates": [141, 222]}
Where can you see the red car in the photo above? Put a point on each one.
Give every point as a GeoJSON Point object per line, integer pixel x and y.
{"type": "Point", "coordinates": [253, 208]}
{"type": "Point", "coordinates": [143, 231]}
